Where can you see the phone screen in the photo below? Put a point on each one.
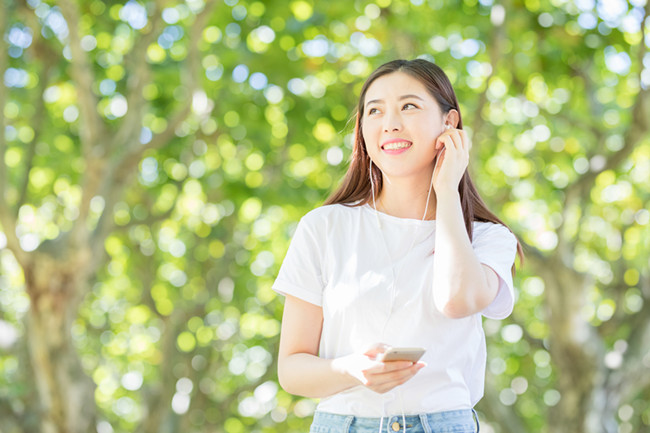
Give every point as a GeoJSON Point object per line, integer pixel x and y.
{"type": "Point", "coordinates": [412, 354]}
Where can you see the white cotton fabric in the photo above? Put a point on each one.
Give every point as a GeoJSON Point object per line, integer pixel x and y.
{"type": "Point", "coordinates": [338, 260]}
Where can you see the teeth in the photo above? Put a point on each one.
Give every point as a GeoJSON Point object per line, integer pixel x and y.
{"type": "Point", "coordinates": [397, 145]}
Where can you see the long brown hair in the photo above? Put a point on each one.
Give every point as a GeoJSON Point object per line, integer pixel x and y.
{"type": "Point", "coordinates": [356, 187]}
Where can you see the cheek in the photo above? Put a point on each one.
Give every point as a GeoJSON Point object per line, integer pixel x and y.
{"type": "Point", "coordinates": [431, 133]}
{"type": "Point", "coordinates": [367, 132]}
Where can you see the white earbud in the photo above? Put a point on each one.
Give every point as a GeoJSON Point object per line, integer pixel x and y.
{"type": "Point", "coordinates": [447, 126]}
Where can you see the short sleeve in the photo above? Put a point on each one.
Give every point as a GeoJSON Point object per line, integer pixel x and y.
{"type": "Point", "coordinates": [301, 271]}
{"type": "Point", "coordinates": [496, 247]}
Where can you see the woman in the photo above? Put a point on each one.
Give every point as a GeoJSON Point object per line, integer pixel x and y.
{"type": "Point", "coordinates": [404, 254]}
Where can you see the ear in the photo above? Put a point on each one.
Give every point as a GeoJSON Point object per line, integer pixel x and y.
{"type": "Point", "coordinates": [452, 118]}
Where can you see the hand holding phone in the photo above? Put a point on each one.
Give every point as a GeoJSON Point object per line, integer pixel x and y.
{"type": "Point", "coordinates": [376, 368]}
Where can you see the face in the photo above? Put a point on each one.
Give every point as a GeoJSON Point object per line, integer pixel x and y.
{"type": "Point", "coordinates": [401, 121]}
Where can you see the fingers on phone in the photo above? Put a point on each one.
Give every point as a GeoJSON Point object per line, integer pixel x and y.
{"type": "Point", "coordinates": [386, 367]}
{"type": "Point", "coordinates": [399, 369]}
{"type": "Point", "coordinates": [384, 382]}
{"type": "Point", "coordinates": [397, 365]}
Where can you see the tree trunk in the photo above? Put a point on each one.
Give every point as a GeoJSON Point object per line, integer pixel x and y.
{"type": "Point", "coordinates": [65, 392]}
{"type": "Point", "coordinates": [575, 347]}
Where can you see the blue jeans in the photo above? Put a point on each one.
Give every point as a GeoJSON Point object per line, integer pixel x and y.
{"type": "Point", "coordinates": [455, 421]}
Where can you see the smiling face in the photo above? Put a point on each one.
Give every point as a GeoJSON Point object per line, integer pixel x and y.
{"type": "Point", "coordinates": [400, 123]}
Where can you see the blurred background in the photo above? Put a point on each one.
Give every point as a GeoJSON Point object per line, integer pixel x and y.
{"type": "Point", "coordinates": [155, 157]}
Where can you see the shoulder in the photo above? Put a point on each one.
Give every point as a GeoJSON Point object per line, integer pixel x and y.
{"type": "Point", "coordinates": [492, 232]}
{"type": "Point", "coordinates": [335, 220]}
{"type": "Point", "coordinates": [330, 213]}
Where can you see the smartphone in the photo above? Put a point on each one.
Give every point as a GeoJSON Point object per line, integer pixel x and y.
{"type": "Point", "coordinates": [412, 354]}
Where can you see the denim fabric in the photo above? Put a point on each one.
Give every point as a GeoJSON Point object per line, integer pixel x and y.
{"type": "Point", "coordinates": [456, 421]}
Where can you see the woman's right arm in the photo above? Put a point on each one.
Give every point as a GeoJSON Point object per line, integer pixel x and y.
{"type": "Point", "coordinates": [302, 372]}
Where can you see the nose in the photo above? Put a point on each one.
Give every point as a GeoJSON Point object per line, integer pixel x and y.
{"type": "Point", "coordinates": [392, 122]}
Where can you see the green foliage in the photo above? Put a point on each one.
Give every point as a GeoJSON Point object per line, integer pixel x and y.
{"type": "Point", "coordinates": [181, 318]}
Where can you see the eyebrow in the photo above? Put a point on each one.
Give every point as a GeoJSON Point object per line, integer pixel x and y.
{"type": "Point", "coordinates": [375, 101]}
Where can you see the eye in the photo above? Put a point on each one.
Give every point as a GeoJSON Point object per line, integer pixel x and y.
{"type": "Point", "coordinates": [373, 111]}
{"type": "Point", "coordinates": [409, 106]}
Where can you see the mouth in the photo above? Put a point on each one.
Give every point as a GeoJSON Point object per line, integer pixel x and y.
{"type": "Point", "coordinates": [396, 145]}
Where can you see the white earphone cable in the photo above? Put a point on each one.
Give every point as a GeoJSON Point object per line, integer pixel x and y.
{"type": "Point", "coordinates": [395, 276]}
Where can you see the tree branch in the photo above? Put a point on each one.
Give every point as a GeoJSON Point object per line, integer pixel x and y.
{"type": "Point", "coordinates": [131, 158]}
{"type": "Point", "coordinates": [109, 226]}
{"type": "Point", "coordinates": [152, 219]}
{"type": "Point", "coordinates": [636, 132]}
{"type": "Point", "coordinates": [38, 120]}
{"type": "Point", "coordinates": [577, 191]}
{"type": "Point", "coordinates": [92, 126]}
{"type": "Point", "coordinates": [494, 51]}
{"type": "Point", "coordinates": [7, 217]}
{"type": "Point", "coordinates": [96, 179]}
{"type": "Point", "coordinates": [125, 162]}
{"type": "Point", "coordinates": [595, 107]}
{"type": "Point", "coordinates": [136, 62]}
{"type": "Point", "coordinates": [158, 396]}
{"type": "Point", "coordinates": [84, 78]}
{"type": "Point", "coordinates": [574, 193]}
{"type": "Point", "coordinates": [634, 368]}
{"type": "Point", "coordinates": [9, 420]}
{"type": "Point", "coordinates": [4, 21]}
{"type": "Point", "coordinates": [633, 135]}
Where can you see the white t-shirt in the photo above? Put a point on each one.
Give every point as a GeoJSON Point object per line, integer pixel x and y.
{"type": "Point", "coordinates": [338, 260]}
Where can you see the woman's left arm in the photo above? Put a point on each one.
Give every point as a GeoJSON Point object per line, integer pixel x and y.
{"type": "Point", "coordinates": [462, 286]}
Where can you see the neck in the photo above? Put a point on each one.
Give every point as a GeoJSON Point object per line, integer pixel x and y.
{"type": "Point", "coordinates": [407, 198]}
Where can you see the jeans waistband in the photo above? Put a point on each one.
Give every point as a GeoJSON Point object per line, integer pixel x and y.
{"type": "Point", "coordinates": [465, 420]}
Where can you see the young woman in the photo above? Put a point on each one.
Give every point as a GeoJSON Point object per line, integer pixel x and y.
{"type": "Point", "coordinates": [404, 254]}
